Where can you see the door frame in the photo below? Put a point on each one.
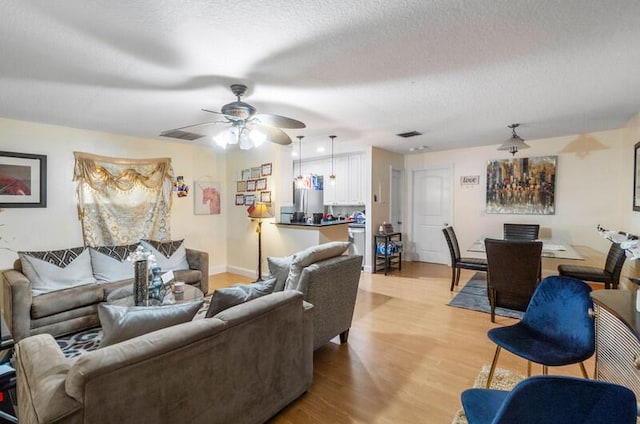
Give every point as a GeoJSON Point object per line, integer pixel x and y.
{"type": "Point", "coordinates": [401, 197]}
{"type": "Point", "coordinates": [411, 255]}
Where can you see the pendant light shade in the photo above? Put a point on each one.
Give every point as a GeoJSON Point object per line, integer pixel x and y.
{"type": "Point", "coordinates": [515, 142]}
{"type": "Point", "coordinates": [332, 177]}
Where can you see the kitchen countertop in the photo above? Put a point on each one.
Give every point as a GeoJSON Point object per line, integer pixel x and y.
{"type": "Point", "coordinates": [302, 224]}
{"type": "Point", "coordinates": [356, 225]}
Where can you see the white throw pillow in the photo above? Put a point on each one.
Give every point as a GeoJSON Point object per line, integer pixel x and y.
{"type": "Point", "coordinates": [227, 297]}
{"type": "Point", "coordinates": [110, 263]}
{"type": "Point", "coordinates": [120, 323]}
{"type": "Point", "coordinates": [310, 256]}
{"type": "Point", "coordinates": [170, 255]}
{"type": "Point", "coordinates": [54, 270]}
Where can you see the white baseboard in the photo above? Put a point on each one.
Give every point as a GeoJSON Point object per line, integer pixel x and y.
{"type": "Point", "coordinates": [250, 273]}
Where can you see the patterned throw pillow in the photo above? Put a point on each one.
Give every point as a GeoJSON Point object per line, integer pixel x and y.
{"type": "Point", "coordinates": [53, 270]}
{"type": "Point", "coordinates": [227, 297]}
{"type": "Point", "coordinates": [110, 263]}
{"type": "Point", "coordinates": [170, 255]}
{"type": "Point", "coordinates": [120, 323]}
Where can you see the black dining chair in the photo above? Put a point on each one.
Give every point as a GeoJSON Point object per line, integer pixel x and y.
{"type": "Point", "coordinates": [521, 231]}
{"type": "Point", "coordinates": [513, 273]}
{"type": "Point", "coordinates": [458, 262]}
{"type": "Point", "coordinates": [610, 275]}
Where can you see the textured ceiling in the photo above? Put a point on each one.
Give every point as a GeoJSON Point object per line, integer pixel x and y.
{"type": "Point", "coordinates": [459, 71]}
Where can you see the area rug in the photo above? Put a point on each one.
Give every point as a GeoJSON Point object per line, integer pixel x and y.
{"type": "Point", "coordinates": [76, 344]}
{"type": "Point", "coordinates": [502, 380]}
{"type": "Point", "coordinates": [473, 296]}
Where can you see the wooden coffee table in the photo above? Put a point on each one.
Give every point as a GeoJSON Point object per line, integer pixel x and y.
{"type": "Point", "coordinates": [124, 297]}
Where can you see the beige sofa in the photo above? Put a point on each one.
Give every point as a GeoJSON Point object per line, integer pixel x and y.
{"type": "Point", "coordinates": [241, 366]}
{"type": "Point", "coordinates": [76, 308]}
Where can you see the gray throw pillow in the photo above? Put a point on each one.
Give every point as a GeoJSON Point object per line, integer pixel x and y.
{"type": "Point", "coordinates": [279, 269]}
{"type": "Point", "coordinates": [170, 255]}
{"type": "Point", "coordinates": [227, 297]}
{"type": "Point", "coordinates": [120, 323]}
{"type": "Point", "coordinates": [310, 256]}
{"type": "Point", "coordinates": [110, 263]}
{"type": "Point", "coordinates": [53, 270]}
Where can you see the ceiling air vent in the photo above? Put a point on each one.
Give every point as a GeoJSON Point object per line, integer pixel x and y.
{"type": "Point", "coordinates": [409, 134]}
{"type": "Point", "coordinates": [182, 135]}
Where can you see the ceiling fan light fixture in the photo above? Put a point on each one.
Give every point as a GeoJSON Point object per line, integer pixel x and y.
{"type": "Point", "coordinates": [514, 143]}
{"type": "Point", "coordinates": [258, 137]}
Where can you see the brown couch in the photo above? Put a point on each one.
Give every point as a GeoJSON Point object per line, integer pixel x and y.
{"type": "Point", "coordinates": [241, 366]}
{"type": "Point", "coordinates": [74, 309]}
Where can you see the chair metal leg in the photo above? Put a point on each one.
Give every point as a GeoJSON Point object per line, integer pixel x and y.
{"type": "Point", "coordinates": [493, 366]}
{"type": "Point", "coordinates": [545, 370]}
{"type": "Point", "coordinates": [528, 368]}
{"type": "Point", "coordinates": [584, 370]}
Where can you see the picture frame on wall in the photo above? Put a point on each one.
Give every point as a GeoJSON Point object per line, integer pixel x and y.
{"type": "Point", "coordinates": [23, 180]}
{"type": "Point", "coordinates": [261, 184]}
{"type": "Point", "coordinates": [524, 186]}
{"type": "Point", "coordinates": [246, 174]}
{"type": "Point", "coordinates": [206, 200]}
{"type": "Point", "coordinates": [265, 197]}
{"type": "Point", "coordinates": [239, 199]}
{"type": "Point", "coordinates": [266, 169]}
{"type": "Point", "coordinates": [241, 186]}
{"type": "Point", "coordinates": [636, 177]}
{"type": "Point", "coordinates": [249, 199]}
{"type": "Point", "coordinates": [255, 172]}
{"type": "Point", "coordinates": [251, 185]}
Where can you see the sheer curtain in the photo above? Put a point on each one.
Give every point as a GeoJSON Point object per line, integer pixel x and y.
{"type": "Point", "coordinates": [121, 200]}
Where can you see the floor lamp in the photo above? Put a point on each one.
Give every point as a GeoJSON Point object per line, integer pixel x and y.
{"type": "Point", "coordinates": [258, 213]}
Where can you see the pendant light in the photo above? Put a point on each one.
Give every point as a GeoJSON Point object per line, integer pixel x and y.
{"type": "Point", "coordinates": [515, 142]}
{"type": "Point", "coordinates": [332, 177]}
{"type": "Point", "coordinates": [300, 178]}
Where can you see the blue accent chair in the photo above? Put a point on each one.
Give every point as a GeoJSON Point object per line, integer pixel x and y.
{"type": "Point", "coordinates": [552, 399]}
{"type": "Point", "coordinates": [556, 328]}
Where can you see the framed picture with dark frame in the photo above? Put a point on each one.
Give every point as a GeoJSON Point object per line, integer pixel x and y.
{"type": "Point", "coordinates": [265, 197]}
{"type": "Point", "coordinates": [636, 177]}
{"type": "Point", "coordinates": [241, 186]}
{"type": "Point", "coordinates": [23, 180]}
{"type": "Point", "coordinates": [251, 185]}
{"type": "Point", "coordinates": [261, 184]}
{"type": "Point", "coordinates": [239, 199]}
{"type": "Point", "coordinates": [266, 169]}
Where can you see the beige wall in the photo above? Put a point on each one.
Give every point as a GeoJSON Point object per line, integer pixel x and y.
{"type": "Point", "coordinates": [57, 225]}
{"type": "Point", "coordinates": [594, 181]}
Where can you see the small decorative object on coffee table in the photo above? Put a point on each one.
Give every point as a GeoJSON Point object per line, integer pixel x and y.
{"type": "Point", "coordinates": [141, 259]}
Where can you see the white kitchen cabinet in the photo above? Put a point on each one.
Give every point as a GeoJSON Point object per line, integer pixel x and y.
{"type": "Point", "coordinates": [356, 194]}
{"type": "Point", "coordinates": [349, 171]}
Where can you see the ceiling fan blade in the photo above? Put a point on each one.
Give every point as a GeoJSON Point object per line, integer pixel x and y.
{"type": "Point", "coordinates": [274, 135]}
{"type": "Point", "coordinates": [230, 118]}
{"type": "Point", "coordinates": [278, 121]}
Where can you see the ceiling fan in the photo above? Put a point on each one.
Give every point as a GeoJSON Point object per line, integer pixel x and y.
{"type": "Point", "coordinates": [247, 128]}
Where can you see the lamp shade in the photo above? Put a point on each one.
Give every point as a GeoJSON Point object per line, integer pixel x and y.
{"type": "Point", "coordinates": [515, 142]}
{"type": "Point", "coordinates": [261, 211]}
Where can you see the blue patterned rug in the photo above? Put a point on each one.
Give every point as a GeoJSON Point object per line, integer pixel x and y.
{"type": "Point", "coordinates": [76, 344]}
{"type": "Point", "coordinates": [473, 296]}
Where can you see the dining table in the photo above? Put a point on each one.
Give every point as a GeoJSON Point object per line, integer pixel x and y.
{"type": "Point", "coordinates": [551, 248]}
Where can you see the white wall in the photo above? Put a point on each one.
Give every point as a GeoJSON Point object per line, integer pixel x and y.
{"type": "Point", "coordinates": [594, 182]}
{"type": "Point", "coordinates": [57, 226]}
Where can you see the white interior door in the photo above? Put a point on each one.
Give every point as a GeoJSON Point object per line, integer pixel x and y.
{"type": "Point", "coordinates": [432, 195]}
{"type": "Point", "coordinates": [396, 200]}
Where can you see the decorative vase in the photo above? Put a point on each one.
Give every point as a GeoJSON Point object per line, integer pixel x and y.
{"type": "Point", "coordinates": [141, 282]}
{"type": "Point", "coordinates": [157, 287]}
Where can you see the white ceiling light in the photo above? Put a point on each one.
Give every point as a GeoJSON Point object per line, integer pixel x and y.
{"type": "Point", "coordinates": [243, 136]}
{"type": "Point", "coordinates": [515, 142]}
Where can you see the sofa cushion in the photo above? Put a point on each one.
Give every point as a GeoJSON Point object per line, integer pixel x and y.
{"type": "Point", "coordinates": [57, 269]}
{"type": "Point", "coordinates": [65, 300]}
{"type": "Point", "coordinates": [169, 255]}
{"type": "Point", "coordinates": [110, 263]}
{"type": "Point", "coordinates": [231, 296]}
{"type": "Point", "coordinates": [279, 269]}
{"type": "Point", "coordinates": [120, 323]}
{"type": "Point", "coordinates": [189, 276]}
{"type": "Point", "coordinates": [312, 255]}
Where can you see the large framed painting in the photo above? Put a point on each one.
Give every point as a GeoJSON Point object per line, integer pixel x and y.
{"type": "Point", "coordinates": [636, 178]}
{"type": "Point", "coordinates": [523, 186]}
{"type": "Point", "coordinates": [23, 180]}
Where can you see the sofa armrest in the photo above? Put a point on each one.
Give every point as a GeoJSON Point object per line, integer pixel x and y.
{"type": "Point", "coordinates": [199, 260]}
{"type": "Point", "coordinates": [17, 303]}
{"type": "Point", "coordinates": [41, 371]}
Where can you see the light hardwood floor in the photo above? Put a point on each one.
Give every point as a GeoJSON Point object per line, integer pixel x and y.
{"type": "Point", "coordinates": [409, 356]}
